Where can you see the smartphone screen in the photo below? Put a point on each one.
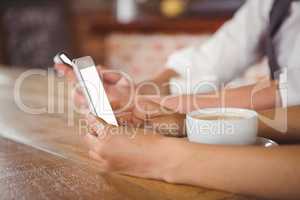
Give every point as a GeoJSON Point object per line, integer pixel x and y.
{"type": "Point", "coordinates": [94, 91]}
{"type": "Point", "coordinates": [91, 84]}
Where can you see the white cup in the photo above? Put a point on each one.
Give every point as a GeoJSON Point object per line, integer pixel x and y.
{"type": "Point", "coordinates": [241, 131]}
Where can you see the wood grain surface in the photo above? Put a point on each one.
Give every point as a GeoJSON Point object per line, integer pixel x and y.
{"type": "Point", "coordinates": [42, 156]}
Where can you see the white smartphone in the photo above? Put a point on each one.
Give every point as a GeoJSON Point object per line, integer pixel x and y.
{"type": "Point", "coordinates": [89, 79]}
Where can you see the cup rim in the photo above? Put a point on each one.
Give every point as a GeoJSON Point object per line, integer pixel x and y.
{"type": "Point", "coordinates": [248, 114]}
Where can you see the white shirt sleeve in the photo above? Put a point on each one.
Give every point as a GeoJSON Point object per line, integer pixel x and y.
{"type": "Point", "coordinates": [289, 87]}
{"type": "Point", "coordinates": [231, 50]}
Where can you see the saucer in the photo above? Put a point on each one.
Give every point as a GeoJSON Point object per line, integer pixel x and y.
{"type": "Point", "coordinates": [260, 141]}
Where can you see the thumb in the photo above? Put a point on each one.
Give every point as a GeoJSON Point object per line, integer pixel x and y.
{"type": "Point", "coordinates": [91, 118]}
{"type": "Point", "coordinates": [110, 77]}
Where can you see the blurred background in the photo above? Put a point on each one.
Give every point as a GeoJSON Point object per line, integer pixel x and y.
{"type": "Point", "coordinates": [133, 35]}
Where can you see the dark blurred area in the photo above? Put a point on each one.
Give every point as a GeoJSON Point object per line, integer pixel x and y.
{"type": "Point", "coordinates": [33, 31]}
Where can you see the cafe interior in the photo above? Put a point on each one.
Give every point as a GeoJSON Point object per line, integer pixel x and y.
{"type": "Point", "coordinates": [41, 156]}
{"type": "Point", "coordinates": [135, 36]}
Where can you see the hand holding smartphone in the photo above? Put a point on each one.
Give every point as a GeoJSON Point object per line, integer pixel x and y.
{"type": "Point", "coordinates": [94, 92]}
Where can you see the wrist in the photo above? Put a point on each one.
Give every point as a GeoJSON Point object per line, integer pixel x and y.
{"type": "Point", "coordinates": [176, 155]}
{"type": "Point", "coordinates": [157, 85]}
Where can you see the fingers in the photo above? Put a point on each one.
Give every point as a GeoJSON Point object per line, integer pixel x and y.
{"type": "Point", "coordinates": [80, 100]}
{"type": "Point", "coordinates": [154, 116]}
{"type": "Point", "coordinates": [65, 71]}
{"type": "Point", "coordinates": [114, 77]}
{"type": "Point", "coordinates": [145, 108]}
{"type": "Point", "coordinates": [104, 131]}
{"type": "Point", "coordinates": [172, 125]}
{"type": "Point", "coordinates": [96, 156]}
{"type": "Point", "coordinates": [93, 119]}
{"type": "Point", "coordinates": [98, 126]}
{"type": "Point", "coordinates": [115, 104]}
{"type": "Point", "coordinates": [97, 130]}
{"type": "Point", "coordinates": [61, 68]}
{"type": "Point", "coordinates": [171, 103]}
{"type": "Point", "coordinates": [71, 76]}
{"type": "Point", "coordinates": [92, 142]}
{"type": "Point", "coordinates": [124, 118]}
{"type": "Point", "coordinates": [110, 77]}
{"type": "Point", "coordinates": [95, 124]}
{"type": "Point", "coordinates": [107, 75]}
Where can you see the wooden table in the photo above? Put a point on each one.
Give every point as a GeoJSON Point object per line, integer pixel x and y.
{"type": "Point", "coordinates": [41, 157]}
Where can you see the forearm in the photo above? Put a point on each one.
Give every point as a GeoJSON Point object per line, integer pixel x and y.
{"type": "Point", "coordinates": [252, 97]}
{"type": "Point", "coordinates": [157, 85]}
{"type": "Point", "coordinates": [270, 173]}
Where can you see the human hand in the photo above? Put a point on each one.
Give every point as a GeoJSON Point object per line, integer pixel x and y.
{"type": "Point", "coordinates": [149, 115]}
{"type": "Point", "coordinates": [117, 88]}
{"type": "Point", "coordinates": [132, 151]}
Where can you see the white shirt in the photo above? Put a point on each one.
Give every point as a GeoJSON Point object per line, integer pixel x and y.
{"type": "Point", "coordinates": [236, 46]}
